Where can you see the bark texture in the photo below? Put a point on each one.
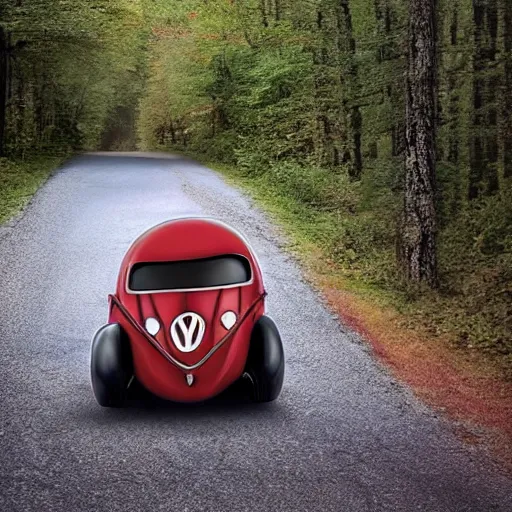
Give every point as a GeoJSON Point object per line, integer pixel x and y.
{"type": "Point", "coordinates": [418, 249]}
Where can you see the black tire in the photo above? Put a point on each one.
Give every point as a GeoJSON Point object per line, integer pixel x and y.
{"type": "Point", "coordinates": [265, 362]}
{"type": "Point", "coordinates": [111, 365]}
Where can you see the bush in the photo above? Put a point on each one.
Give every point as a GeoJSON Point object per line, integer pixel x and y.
{"type": "Point", "coordinates": [19, 180]}
{"type": "Point", "coordinates": [220, 148]}
{"type": "Point", "coordinates": [328, 205]}
{"type": "Point", "coordinates": [475, 254]}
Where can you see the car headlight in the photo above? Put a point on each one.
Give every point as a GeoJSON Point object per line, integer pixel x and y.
{"type": "Point", "coordinates": [228, 319]}
{"type": "Point", "coordinates": [152, 326]}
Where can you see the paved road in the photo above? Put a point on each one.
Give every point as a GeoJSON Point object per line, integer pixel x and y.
{"type": "Point", "coordinates": [342, 437]}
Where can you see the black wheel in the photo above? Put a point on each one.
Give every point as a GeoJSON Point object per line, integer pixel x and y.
{"type": "Point", "coordinates": [111, 365]}
{"type": "Point", "coordinates": [265, 362]}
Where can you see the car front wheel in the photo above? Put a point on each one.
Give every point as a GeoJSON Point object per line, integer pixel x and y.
{"type": "Point", "coordinates": [111, 365]}
{"type": "Point", "coordinates": [265, 362]}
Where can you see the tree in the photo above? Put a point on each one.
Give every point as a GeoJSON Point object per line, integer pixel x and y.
{"type": "Point", "coordinates": [65, 69]}
{"type": "Point", "coordinates": [484, 138]}
{"type": "Point", "coordinates": [507, 90]}
{"type": "Point", "coordinates": [4, 59]}
{"type": "Point", "coordinates": [418, 255]}
{"type": "Point", "coordinates": [349, 78]}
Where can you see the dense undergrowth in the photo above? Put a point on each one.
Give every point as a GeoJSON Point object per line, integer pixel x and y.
{"type": "Point", "coordinates": [354, 230]}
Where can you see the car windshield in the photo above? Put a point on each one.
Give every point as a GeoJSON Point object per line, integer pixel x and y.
{"type": "Point", "coordinates": [217, 272]}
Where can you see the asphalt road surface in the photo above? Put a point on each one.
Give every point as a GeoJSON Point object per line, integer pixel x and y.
{"type": "Point", "coordinates": [342, 437]}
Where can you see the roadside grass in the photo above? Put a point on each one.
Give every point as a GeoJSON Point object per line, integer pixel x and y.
{"type": "Point", "coordinates": [20, 180]}
{"type": "Point", "coordinates": [471, 386]}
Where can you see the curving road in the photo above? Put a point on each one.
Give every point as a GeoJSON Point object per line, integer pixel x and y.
{"type": "Point", "coordinates": [342, 437]}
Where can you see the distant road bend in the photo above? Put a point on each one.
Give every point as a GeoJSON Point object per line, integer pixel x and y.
{"type": "Point", "coordinates": [342, 437]}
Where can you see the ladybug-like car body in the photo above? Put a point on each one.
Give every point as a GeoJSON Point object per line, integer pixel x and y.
{"type": "Point", "coordinates": [188, 318]}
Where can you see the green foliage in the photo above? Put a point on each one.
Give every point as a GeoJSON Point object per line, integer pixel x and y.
{"type": "Point", "coordinates": [20, 180]}
{"type": "Point", "coordinates": [70, 66]}
{"type": "Point", "coordinates": [292, 94]}
{"type": "Point", "coordinates": [275, 88]}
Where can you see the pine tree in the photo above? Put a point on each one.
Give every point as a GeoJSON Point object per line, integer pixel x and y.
{"type": "Point", "coordinates": [419, 256]}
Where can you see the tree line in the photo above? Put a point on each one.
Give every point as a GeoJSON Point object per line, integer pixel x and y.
{"type": "Point", "coordinates": [66, 70]}
{"type": "Point", "coordinates": [390, 118]}
{"type": "Point", "coordinates": [384, 123]}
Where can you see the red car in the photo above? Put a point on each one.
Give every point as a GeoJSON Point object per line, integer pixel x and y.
{"type": "Point", "coordinates": [188, 318]}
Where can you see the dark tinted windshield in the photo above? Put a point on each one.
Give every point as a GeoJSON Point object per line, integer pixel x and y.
{"type": "Point", "coordinates": [192, 274]}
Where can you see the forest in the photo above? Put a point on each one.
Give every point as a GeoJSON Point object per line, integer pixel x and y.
{"type": "Point", "coordinates": [382, 126]}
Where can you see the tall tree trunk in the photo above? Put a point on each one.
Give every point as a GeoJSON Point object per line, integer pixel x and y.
{"type": "Point", "coordinates": [493, 83]}
{"type": "Point", "coordinates": [320, 62]}
{"type": "Point", "coordinates": [484, 147]}
{"type": "Point", "coordinates": [349, 79]}
{"type": "Point", "coordinates": [383, 16]}
{"type": "Point", "coordinates": [477, 160]}
{"type": "Point", "coordinates": [507, 100]}
{"type": "Point", "coordinates": [4, 64]}
{"type": "Point", "coordinates": [39, 106]}
{"type": "Point", "coordinates": [172, 131]}
{"type": "Point", "coordinates": [264, 13]}
{"type": "Point", "coordinates": [452, 116]}
{"type": "Point", "coordinates": [19, 141]}
{"type": "Point", "coordinates": [418, 250]}
{"type": "Point", "coordinates": [453, 108]}
{"type": "Point", "coordinates": [278, 9]}
{"type": "Point", "coordinates": [386, 52]}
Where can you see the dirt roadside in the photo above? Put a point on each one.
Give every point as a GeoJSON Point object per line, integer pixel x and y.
{"type": "Point", "coordinates": [459, 385]}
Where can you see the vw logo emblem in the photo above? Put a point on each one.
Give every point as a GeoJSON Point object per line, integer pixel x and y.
{"type": "Point", "coordinates": [187, 332]}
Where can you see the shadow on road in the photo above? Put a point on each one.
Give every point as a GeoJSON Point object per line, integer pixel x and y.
{"type": "Point", "coordinates": [142, 405]}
